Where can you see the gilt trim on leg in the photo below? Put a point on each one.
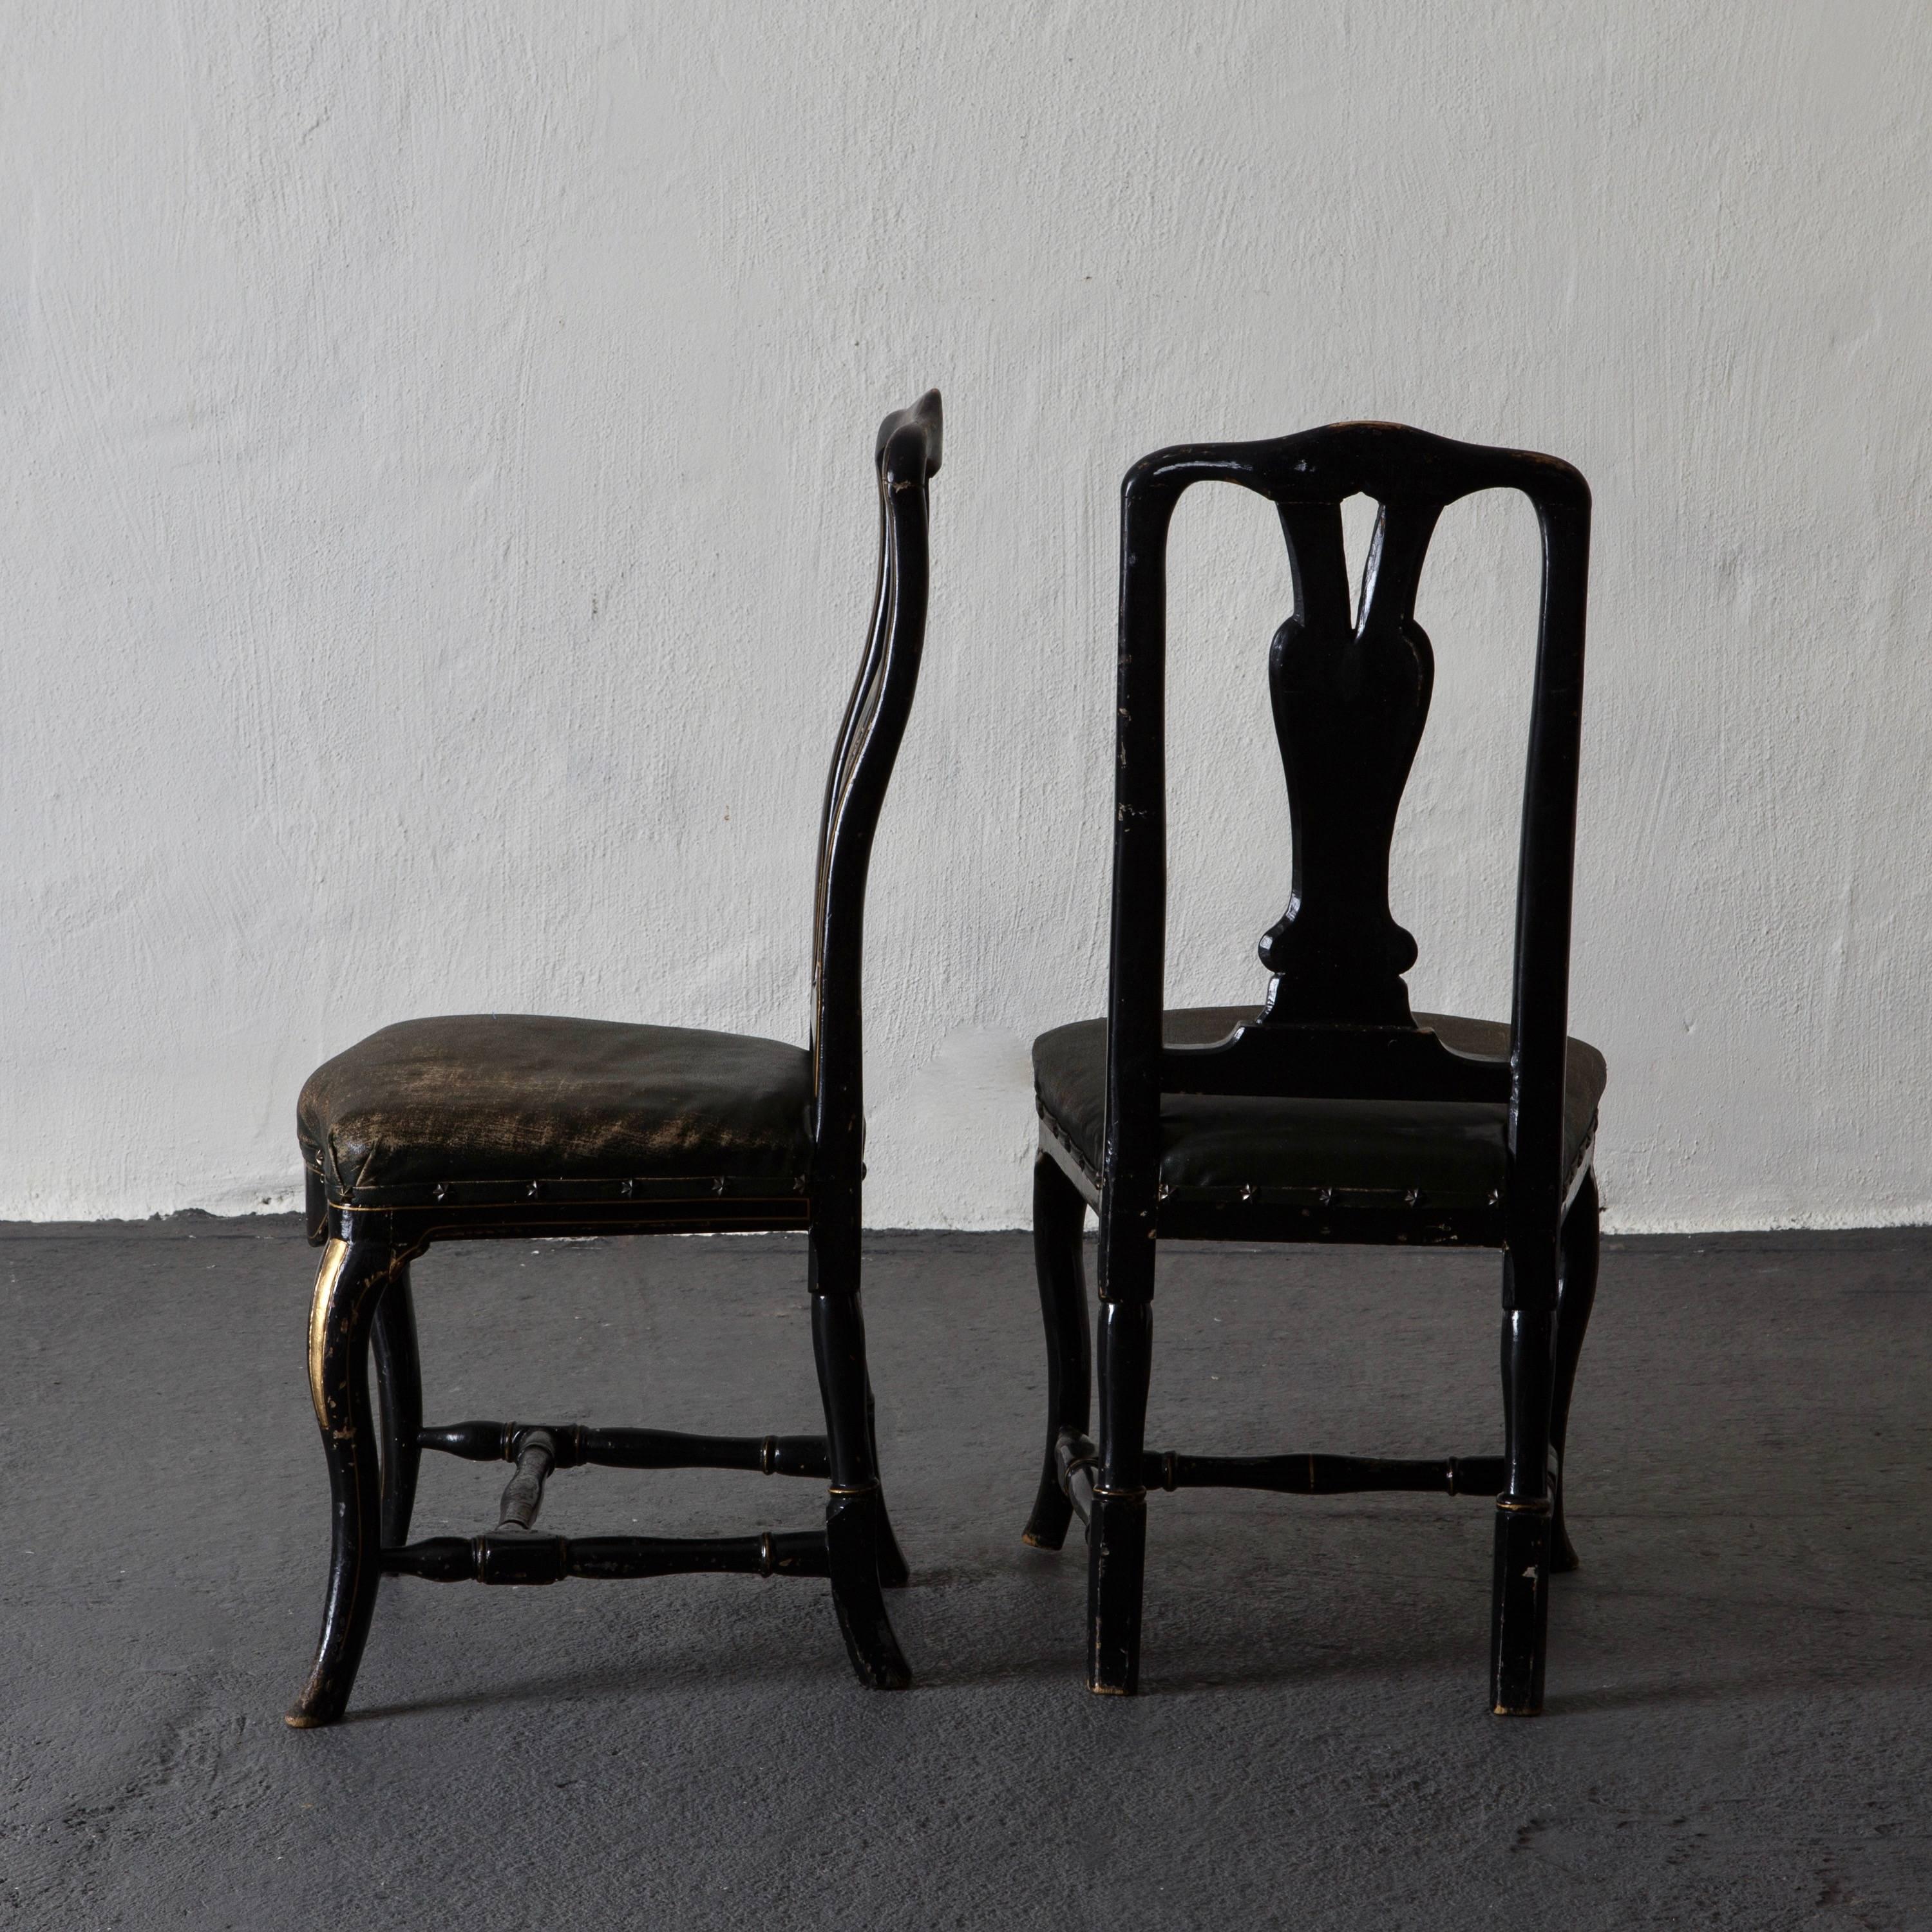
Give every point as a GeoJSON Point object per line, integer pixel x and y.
{"type": "Point", "coordinates": [352, 1279]}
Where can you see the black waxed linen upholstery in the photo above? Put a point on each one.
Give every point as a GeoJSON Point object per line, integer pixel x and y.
{"type": "Point", "coordinates": [515, 1099]}
{"type": "Point", "coordinates": [1452, 1151]}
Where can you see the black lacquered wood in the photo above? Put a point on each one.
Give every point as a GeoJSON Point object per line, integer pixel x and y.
{"type": "Point", "coordinates": [1576, 1295]}
{"type": "Point", "coordinates": [1316, 1475]}
{"type": "Point", "coordinates": [505, 1558]}
{"type": "Point", "coordinates": [1116, 1535]}
{"type": "Point", "coordinates": [908, 453]}
{"type": "Point", "coordinates": [1519, 1607]}
{"type": "Point", "coordinates": [1076, 1457]}
{"type": "Point", "coordinates": [576, 1443]}
{"type": "Point", "coordinates": [1059, 1221]}
{"type": "Point", "coordinates": [350, 1287]}
{"type": "Point", "coordinates": [1350, 698]}
{"type": "Point", "coordinates": [854, 1515]}
{"type": "Point", "coordinates": [1116, 1564]}
{"type": "Point", "coordinates": [371, 1240]}
{"type": "Point", "coordinates": [1350, 692]}
{"type": "Point", "coordinates": [1340, 1061]}
{"type": "Point", "coordinates": [399, 1384]}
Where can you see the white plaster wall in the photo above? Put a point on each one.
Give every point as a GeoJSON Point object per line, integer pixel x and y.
{"type": "Point", "coordinates": [435, 534]}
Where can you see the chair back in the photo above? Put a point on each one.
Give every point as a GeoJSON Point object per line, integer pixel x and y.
{"type": "Point", "coordinates": [1350, 698]}
{"type": "Point", "coordinates": [906, 457]}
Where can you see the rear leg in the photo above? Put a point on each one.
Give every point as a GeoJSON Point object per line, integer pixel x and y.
{"type": "Point", "coordinates": [1117, 1537]}
{"type": "Point", "coordinates": [1520, 1595]}
{"type": "Point", "coordinates": [854, 1510]}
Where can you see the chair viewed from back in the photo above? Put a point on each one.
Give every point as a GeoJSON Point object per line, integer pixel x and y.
{"type": "Point", "coordinates": [1329, 1112]}
{"type": "Point", "coordinates": [499, 1126]}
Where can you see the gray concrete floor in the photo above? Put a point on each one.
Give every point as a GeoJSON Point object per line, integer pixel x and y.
{"type": "Point", "coordinates": [1739, 1730]}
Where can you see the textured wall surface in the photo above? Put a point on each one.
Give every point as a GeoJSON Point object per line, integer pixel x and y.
{"type": "Point", "coordinates": [437, 539]}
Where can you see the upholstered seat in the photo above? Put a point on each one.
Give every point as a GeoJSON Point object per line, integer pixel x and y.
{"type": "Point", "coordinates": [507, 1103]}
{"type": "Point", "coordinates": [1450, 1154]}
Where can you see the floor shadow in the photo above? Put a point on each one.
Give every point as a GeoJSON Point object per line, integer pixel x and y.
{"type": "Point", "coordinates": [647, 1677]}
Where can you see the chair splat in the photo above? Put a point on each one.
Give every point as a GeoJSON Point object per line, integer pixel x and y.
{"type": "Point", "coordinates": [1350, 700]}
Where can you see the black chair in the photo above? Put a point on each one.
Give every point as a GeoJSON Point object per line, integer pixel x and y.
{"type": "Point", "coordinates": [1332, 1113]}
{"type": "Point", "coordinates": [501, 1125]}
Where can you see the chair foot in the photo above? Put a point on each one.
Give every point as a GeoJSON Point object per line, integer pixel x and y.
{"type": "Point", "coordinates": [851, 1532]}
{"type": "Point", "coordinates": [1519, 1619]}
{"type": "Point", "coordinates": [1052, 1506]}
{"type": "Point", "coordinates": [352, 1281]}
{"type": "Point", "coordinates": [1046, 1528]}
{"type": "Point", "coordinates": [1116, 1560]}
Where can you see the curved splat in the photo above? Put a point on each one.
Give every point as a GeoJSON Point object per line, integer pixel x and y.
{"type": "Point", "coordinates": [1350, 700]}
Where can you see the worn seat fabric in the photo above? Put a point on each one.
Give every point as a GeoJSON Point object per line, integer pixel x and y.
{"type": "Point", "coordinates": [513, 1098]}
{"type": "Point", "coordinates": [1452, 1151]}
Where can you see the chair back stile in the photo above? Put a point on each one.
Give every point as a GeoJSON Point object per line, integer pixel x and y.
{"type": "Point", "coordinates": [907, 456]}
{"type": "Point", "coordinates": [1546, 867]}
{"type": "Point", "coordinates": [1350, 702]}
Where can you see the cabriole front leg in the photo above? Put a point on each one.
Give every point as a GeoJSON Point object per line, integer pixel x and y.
{"type": "Point", "coordinates": [1059, 1220]}
{"type": "Point", "coordinates": [353, 1280]}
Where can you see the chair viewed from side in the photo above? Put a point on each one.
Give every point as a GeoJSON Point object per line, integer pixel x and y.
{"type": "Point", "coordinates": [1330, 1112]}
{"type": "Point", "coordinates": [502, 1126]}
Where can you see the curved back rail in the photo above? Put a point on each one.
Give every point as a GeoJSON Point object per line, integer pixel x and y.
{"type": "Point", "coordinates": [907, 456]}
{"type": "Point", "coordinates": [1350, 700]}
